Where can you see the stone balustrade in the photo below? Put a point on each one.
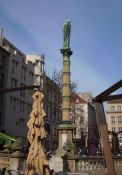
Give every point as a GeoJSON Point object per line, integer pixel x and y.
{"type": "Point", "coordinates": [90, 163]}
{"type": "Point", "coordinates": [87, 164]}
{"type": "Point", "coordinates": [96, 163]}
{"type": "Point", "coordinates": [13, 161]}
{"type": "Point", "coordinates": [117, 162]}
{"type": "Point", "coordinates": [4, 161]}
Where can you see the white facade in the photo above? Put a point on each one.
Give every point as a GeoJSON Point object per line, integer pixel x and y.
{"type": "Point", "coordinates": [80, 114]}
{"type": "Point", "coordinates": [84, 118]}
{"type": "Point", "coordinates": [38, 62]}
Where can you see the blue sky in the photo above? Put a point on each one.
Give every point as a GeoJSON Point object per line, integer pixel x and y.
{"type": "Point", "coordinates": [35, 27]}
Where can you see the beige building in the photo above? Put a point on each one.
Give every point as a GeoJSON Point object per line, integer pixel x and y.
{"type": "Point", "coordinates": [114, 117]}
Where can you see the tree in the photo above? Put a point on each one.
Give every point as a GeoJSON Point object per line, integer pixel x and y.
{"type": "Point", "coordinates": [58, 78]}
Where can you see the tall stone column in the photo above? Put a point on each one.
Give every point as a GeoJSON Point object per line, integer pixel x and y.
{"type": "Point", "coordinates": [65, 128]}
{"type": "Point", "coordinates": [66, 85]}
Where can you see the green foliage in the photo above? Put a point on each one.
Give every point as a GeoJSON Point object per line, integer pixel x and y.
{"type": "Point", "coordinates": [17, 145]}
{"type": "Point", "coordinates": [10, 143]}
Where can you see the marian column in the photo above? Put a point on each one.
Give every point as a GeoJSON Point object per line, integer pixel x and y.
{"type": "Point", "coordinates": [65, 128]}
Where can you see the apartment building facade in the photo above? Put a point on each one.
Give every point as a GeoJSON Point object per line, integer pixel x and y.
{"type": "Point", "coordinates": [84, 118]}
{"type": "Point", "coordinates": [52, 105]}
{"type": "Point", "coordinates": [4, 55]}
{"type": "Point", "coordinates": [26, 70]}
{"type": "Point", "coordinates": [19, 70]}
{"type": "Point", "coordinates": [114, 118]}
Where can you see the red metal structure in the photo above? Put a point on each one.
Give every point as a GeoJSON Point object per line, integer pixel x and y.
{"type": "Point", "coordinates": [102, 97]}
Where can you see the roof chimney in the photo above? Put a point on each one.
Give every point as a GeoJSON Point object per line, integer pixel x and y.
{"type": "Point", "coordinates": [1, 36]}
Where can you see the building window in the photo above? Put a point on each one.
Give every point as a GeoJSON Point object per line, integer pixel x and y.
{"type": "Point", "coordinates": [1, 80]}
{"type": "Point", "coordinates": [31, 75]}
{"type": "Point", "coordinates": [112, 119]}
{"type": "Point", "coordinates": [23, 73]}
{"type": "Point", "coordinates": [14, 105]}
{"type": "Point", "coordinates": [23, 106]}
{"type": "Point", "coordinates": [119, 107]}
{"type": "Point", "coordinates": [13, 83]}
{"type": "Point", "coordinates": [13, 65]}
{"type": "Point", "coordinates": [29, 108]}
{"type": "Point", "coordinates": [11, 100]}
{"type": "Point", "coordinates": [120, 119]}
{"type": "Point", "coordinates": [37, 63]}
{"type": "Point", "coordinates": [113, 129]}
{"type": "Point", "coordinates": [1, 98]}
{"type": "Point", "coordinates": [22, 92]}
{"type": "Point", "coordinates": [47, 127]}
{"type": "Point", "coordinates": [20, 106]}
{"type": "Point", "coordinates": [3, 61]}
{"type": "Point", "coordinates": [41, 68]}
{"type": "Point", "coordinates": [113, 108]}
{"type": "Point", "coordinates": [120, 128]}
{"type": "Point", "coordinates": [17, 123]}
{"type": "Point", "coordinates": [21, 122]}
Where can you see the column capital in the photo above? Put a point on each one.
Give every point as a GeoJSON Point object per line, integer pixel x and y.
{"type": "Point", "coordinates": [66, 52]}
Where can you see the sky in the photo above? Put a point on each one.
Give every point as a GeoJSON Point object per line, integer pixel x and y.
{"type": "Point", "coordinates": [36, 27]}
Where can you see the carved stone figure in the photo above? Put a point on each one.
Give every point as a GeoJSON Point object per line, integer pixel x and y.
{"type": "Point", "coordinates": [67, 30]}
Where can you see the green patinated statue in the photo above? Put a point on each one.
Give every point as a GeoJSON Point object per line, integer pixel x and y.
{"type": "Point", "coordinates": [67, 30]}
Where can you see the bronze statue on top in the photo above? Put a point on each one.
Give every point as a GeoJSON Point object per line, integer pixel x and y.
{"type": "Point", "coordinates": [67, 31]}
